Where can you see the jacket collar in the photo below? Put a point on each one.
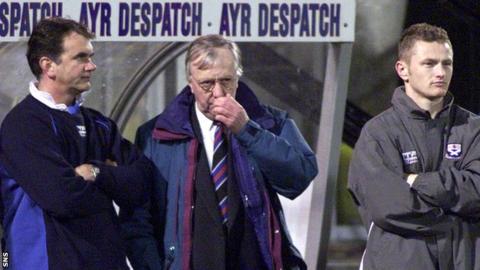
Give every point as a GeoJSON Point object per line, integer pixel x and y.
{"type": "Point", "coordinates": [174, 122]}
{"type": "Point", "coordinates": [47, 99]}
{"type": "Point", "coordinates": [407, 106]}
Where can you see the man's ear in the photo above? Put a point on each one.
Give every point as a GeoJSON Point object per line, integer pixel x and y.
{"type": "Point", "coordinates": [190, 84]}
{"type": "Point", "coordinates": [402, 70]}
{"type": "Point", "coordinates": [47, 66]}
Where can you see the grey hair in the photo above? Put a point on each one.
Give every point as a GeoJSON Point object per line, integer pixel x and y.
{"type": "Point", "coordinates": [204, 48]}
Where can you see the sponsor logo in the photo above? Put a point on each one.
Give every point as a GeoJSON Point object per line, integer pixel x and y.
{"type": "Point", "coordinates": [410, 157]}
{"type": "Point", "coordinates": [454, 151]}
{"type": "Point", "coordinates": [82, 131]}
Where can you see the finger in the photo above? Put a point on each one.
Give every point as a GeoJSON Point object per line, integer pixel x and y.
{"type": "Point", "coordinates": [77, 171]}
{"type": "Point", "coordinates": [223, 111]}
{"type": "Point", "coordinates": [226, 122]}
{"type": "Point", "coordinates": [227, 103]}
{"type": "Point", "coordinates": [221, 101]}
{"type": "Point", "coordinates": [111, 162]}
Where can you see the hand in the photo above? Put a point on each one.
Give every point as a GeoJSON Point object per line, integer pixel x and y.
{"type": "Point", "coordinates": [110, 162]}
{"type": "Point", "coordinates": [411, 178]}
{"type": "Point", "coordinates": [230, 113]}
{"type": "Point", "coordinates": [85, 171]}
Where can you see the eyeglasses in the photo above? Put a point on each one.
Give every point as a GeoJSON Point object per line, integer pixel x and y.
{"type": "Point", "coordinates": [228, 84]}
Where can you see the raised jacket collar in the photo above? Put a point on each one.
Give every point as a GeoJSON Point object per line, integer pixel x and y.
{"type": "Point", "coordinates": [407, 106]}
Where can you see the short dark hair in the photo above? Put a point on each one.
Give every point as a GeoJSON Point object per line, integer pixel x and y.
{"type": "Point", "coordinates": [420, 31]}
{"type": "Point", "coordinates": [47, 40]}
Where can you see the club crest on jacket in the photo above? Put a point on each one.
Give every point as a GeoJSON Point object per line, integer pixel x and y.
{"type": "Point", "coordinates": [454, 151]}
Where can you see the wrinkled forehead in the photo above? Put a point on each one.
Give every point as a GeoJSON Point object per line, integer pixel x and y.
{"type": "Point", "coordinates": [214, 57]}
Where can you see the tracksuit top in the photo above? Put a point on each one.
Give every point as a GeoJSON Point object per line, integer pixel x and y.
{"type": "Point", "coordinates": [430, 225]}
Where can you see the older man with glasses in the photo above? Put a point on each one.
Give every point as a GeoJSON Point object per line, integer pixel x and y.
{"type": "Point", "coordinates": [221, 157]}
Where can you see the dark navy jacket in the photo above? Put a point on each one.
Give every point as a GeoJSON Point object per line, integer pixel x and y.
{"type": "Point", "coordinates": [53, 218]}
{"type": "Point", "coordinates": [270, 156]}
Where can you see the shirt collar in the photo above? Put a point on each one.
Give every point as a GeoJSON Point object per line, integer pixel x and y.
{"type": "Point", "coordinates": [205, 123]}
{"type": "Point", "coordinates": [47, 99]}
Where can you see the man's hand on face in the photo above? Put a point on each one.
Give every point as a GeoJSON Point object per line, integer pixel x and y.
{"type": "Point", "coordinates": [230, 113]}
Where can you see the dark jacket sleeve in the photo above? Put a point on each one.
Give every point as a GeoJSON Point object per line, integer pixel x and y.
{"type": "Point", "coordinates": [142, 231]}
{"type": "Point", "coordinates": [128, 182]}
{"type": "Point", "coordinates": [33, 157]}
{"type": "Point", "coordinates": [378, 186]}
{"type": "Point", "coordinates": [143, 250]}
{"type": "Point", "coordinates": [456, 188]}
{"type": "Point", "coordinates": [285, 160]}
